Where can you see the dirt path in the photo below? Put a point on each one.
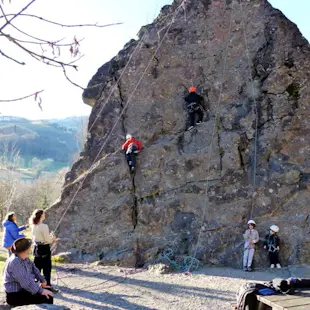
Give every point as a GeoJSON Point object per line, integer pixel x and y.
{"type": "Point", "coordinates": [98, 287]}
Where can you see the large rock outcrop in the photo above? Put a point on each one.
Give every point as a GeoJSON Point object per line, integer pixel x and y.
{"type": "Point", "coordinates": [130, 220]}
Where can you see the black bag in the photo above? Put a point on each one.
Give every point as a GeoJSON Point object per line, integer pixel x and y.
{"type": "Point", "coordinates": [246, 296]}
{"type": "Point", "coordinates": [42, 250]}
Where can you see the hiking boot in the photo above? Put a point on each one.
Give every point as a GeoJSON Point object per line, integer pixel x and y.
{"type": "Point", "coordinates": [245, 268]}
{"type": "Point", "coordinates": [272, 266]}
{"type": "Point", "coordinates": [278, 266]}
{"type": "Point", "coordinates": [190, 127]}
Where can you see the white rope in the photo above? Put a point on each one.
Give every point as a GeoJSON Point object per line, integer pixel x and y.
{"type": "Point", "coordinates": [212, 136]}
{"type": "Point", "coordinates": [121, 114]}
{"type": "Point", "coordinates": [255, 110]}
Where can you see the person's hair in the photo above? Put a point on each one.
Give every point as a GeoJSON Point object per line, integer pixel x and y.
{"type": "Point", "coordinates": [36, 216]}
{"type": "Point", "coordinates": [254, 225]}
{"type": "Point", "coordinates": [9, 216]}
{"type": "Point", "coordinates": [20, 245]}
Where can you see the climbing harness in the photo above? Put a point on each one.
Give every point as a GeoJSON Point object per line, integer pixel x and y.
{"type": "Point", "coordinates": [271, 246]}
{"type": "Point", "coordinates": [193, 106]}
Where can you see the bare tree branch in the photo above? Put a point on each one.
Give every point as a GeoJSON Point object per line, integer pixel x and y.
{"type": "Point", "coordinates": [47, 60]}
{"type": "Point", "coordinates": [25, 97]}
{"type": "Point", "coordinates": [68, 26]}
{"type": "Point", "coordinates": [65, 74]}
{"type": "Point", "coordinates": [51, 43]}
{"type": "Point", "coordinates": [54, 47]}
{"type": "Point", "coordinates": [15, 15]}
{"type": "Point", "coordinates": [29, 35]}
{"type": "Point", "coordinates": [20, 63]}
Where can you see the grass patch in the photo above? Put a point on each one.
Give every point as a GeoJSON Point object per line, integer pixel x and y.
{"type": "Point", "coordinates": [58, 259]}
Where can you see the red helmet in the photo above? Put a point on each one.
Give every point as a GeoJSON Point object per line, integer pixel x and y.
{"type": "Point", "coordinates": [192, 89]}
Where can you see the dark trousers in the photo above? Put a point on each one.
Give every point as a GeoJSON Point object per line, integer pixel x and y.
{"type": "Point", "coordinates": [131, 156]}
{"type": "Point", "coordinates": [24, 297]}
{"type": "Point", "coordinates": [273, 257]}
{"type": "Point", "coordinates": [192, 117]}
{"type": "Point", "coordinates": [43, 261]}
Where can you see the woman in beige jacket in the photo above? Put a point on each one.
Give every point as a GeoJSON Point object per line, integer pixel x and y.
{"type": "Point", "coordinates": [42, 244]}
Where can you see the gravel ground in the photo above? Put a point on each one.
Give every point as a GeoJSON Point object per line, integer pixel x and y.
{"type": "Point", "coordinates": [100, 287]}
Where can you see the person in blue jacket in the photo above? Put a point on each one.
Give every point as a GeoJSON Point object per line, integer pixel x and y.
{"type": "Point", "coordinates": [11, 231]}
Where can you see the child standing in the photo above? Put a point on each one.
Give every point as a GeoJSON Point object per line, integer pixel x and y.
{"type": "Point", "coordinates": [251, 237]}
{"type": "Point", "coordinates": [272, 245]}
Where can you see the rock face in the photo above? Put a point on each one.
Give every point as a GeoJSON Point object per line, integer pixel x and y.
{"type": "Point", "coordinates": [204, 177]}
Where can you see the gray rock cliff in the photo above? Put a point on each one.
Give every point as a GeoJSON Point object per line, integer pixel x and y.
{"type": "Point", "coordinates": [128, 221]}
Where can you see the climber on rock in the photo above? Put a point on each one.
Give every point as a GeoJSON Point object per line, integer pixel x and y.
{"type": "Point", "coordinates": [195, 105]}
{"type": "Point", "coordinates": [132, 147]}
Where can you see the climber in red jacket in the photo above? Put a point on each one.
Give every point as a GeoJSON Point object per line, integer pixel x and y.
{"type": "Point", "coordinates": [132, 147]}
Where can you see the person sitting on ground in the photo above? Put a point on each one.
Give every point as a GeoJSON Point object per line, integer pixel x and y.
{"type": "Point", "coordinates": [42, 245]}
{"type": "Point", "coordinates": [251, 237]}
{"type": "Point", "coordinates": [11, 231]}
{"type": "Point", "coordinates": [22, 278]}
{"type": "Point", "coordinates": [195, 105]}
{"type": "Point", "coordinates": [132, 147]}
{"type": "Point", "coordinates": [272, 245]}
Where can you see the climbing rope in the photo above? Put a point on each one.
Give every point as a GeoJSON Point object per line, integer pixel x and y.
{"type": "Point", "coordinates": [210, 147]}
{"type": "Point", "coordinates": [180, 263]}
{"type": "Point", "coordinates": [121, 114]}
{"type": "Point", "coordinates": [255, 110]}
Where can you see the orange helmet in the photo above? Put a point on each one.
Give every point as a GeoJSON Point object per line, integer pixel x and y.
{"type": "Point", "coordinates": [192, 89]}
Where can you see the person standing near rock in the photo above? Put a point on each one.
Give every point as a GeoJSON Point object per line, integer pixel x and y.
{"type": "Point", "coordinates": [195, 105]}
{"type": "Point", "coordinates": [22, 278]}
{"type": "Point", "coordinates": [132, 147]}
{"type": "Point", "coordinates": [42, 245]}
{"type": "Point", "coordinates": [11, 231]}
{"type": "Point", "coordinates": [251, 237]}
{"type": "Point", "coordinates": [272, 245]}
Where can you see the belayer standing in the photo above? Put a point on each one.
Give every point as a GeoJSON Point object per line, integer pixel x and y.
{"type": "Point", "coordinates": [132, 147]}
{"type": "Point", "coordinates": [251, 237]}
{"type": "Point", "coordinates": [272, 245]}
{"type": "Point", "coordinates": [42, 245]}
{"type": "Point", "coordinates": [195, 105]}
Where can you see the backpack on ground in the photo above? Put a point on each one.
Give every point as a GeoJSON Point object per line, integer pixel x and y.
{"type": "Point", "coordinates": [246, 296]}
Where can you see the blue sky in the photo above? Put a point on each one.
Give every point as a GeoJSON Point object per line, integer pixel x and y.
{"type": "Point", "coordinates": [61, 99]}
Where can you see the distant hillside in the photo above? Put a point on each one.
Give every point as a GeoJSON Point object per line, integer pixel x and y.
{"type": "Point", "coordinates": [52, 139]}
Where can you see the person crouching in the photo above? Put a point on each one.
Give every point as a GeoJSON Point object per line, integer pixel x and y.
{"type": "Point", "coordinates": [21, 276]}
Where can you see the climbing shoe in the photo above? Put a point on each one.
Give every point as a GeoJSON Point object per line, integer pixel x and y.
{"type": "Point", "coordinates": [278, 266]}
{"type": "Point", "coordinates": [249, 269]}
{"type": "Point", "coordinates": [272, 266]}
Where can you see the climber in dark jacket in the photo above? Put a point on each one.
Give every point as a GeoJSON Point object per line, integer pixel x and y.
{"type": "Point", "coordinates": [195, 105]}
